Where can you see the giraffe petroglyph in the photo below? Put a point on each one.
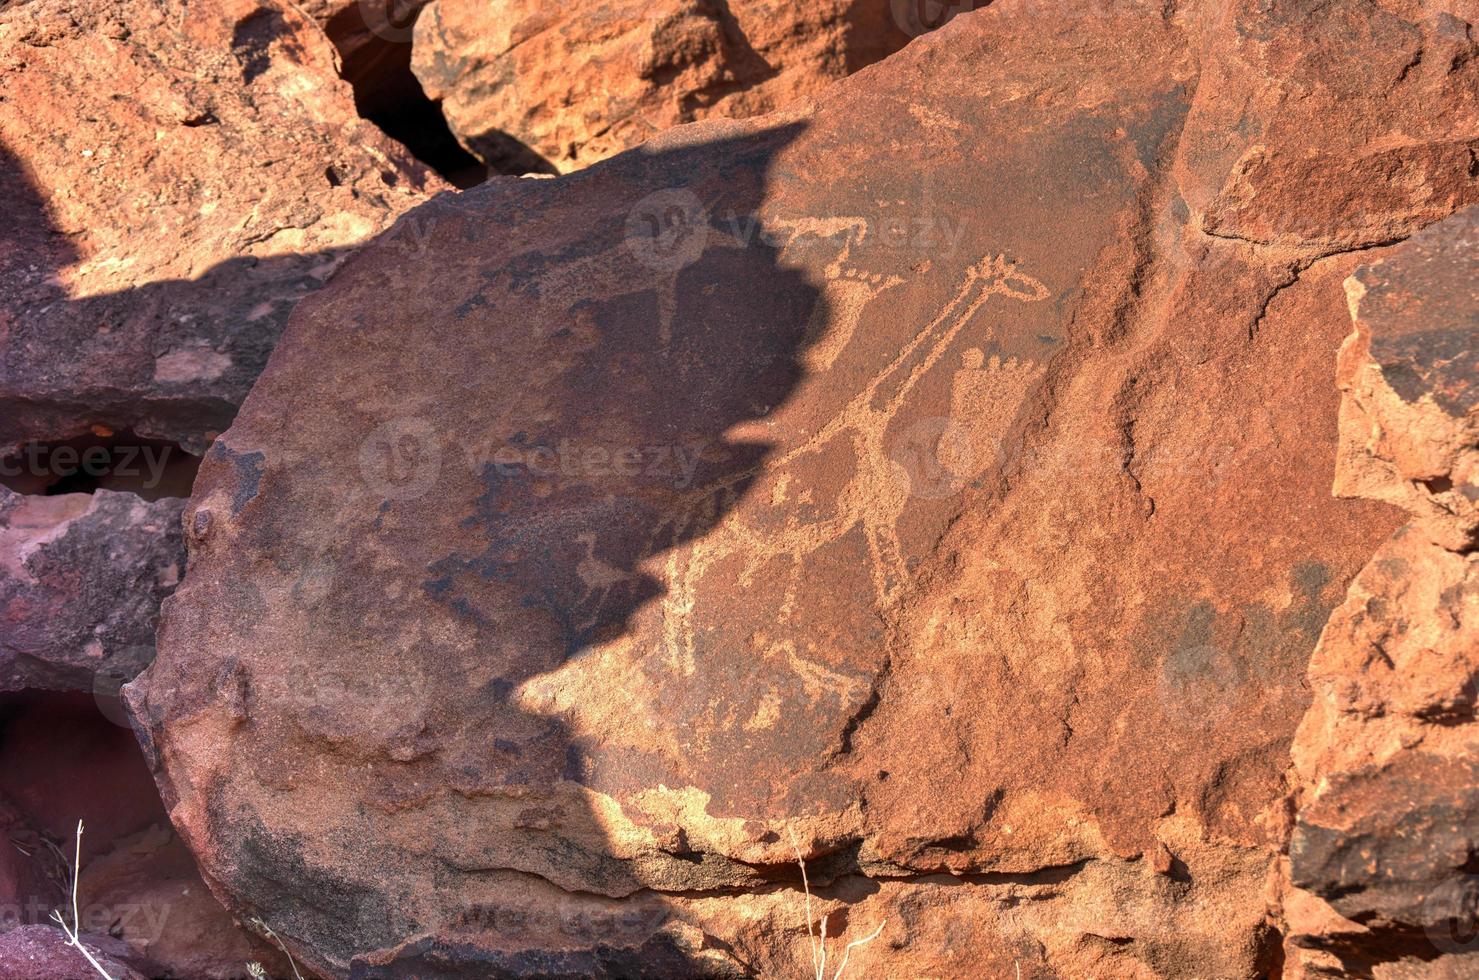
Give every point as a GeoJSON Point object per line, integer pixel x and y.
{"type": "Point", "coordinates": [786, 521]}
{"type": "Point", "coordinates": [782, 518]}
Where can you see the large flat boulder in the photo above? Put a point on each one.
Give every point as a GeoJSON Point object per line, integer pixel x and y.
{"type": "Point", "coordinates": [934, 475]}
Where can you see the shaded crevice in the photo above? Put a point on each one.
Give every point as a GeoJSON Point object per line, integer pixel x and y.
{"type": "Point", "coordinates": [101, 460]}
{"type": "Point", "coordinates": [1291, 278]}
{"type": "Point", "coordinates": [67, 757]}
{"type": "Point", "coordinates": [377, 65]}
{"type": "Point", "coordinates": [837, 876]}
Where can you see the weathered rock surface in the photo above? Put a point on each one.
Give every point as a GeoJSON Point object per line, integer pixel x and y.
{"type": "Point", "coordinates": [81, 579]}
{"type": "Point", "coordinates": [576, 83]}
{"type": "Point", "coordinates": [44, 953]}
{"type": "Point", "coordinates": [61, 762]}
{"type": "Point", "coordinates": [176, 178]}
{"type": "Point", "coordinates": [151, 892]}
{"type": "Point", "coordinates": [1410, 377]}
{"type": "Point", "coordinates": [937, 472]}
{"type": "Point", "coordinates": [1382, 870]}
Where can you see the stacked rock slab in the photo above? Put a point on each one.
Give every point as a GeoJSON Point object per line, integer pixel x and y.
{"type": "Point", "coordinates": [81, 579]}
{"type": "Point", "coordinates": [43, 952]}
{"type": "Point", "coordinates": [576, 83]}
{"type": "Point", "coordinates": [935, 475]}
{"type": "Point", "coordinates": [175, 177]}
{"type": "Point", "coordinates": [1382, 858]}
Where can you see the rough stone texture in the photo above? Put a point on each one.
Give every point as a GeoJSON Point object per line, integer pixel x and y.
{"type": "Point", "coordinates": [61, 761]}
{"type": "Point", "coordinates": [151, 892]}
{"type": "Point", "coordinates": [576, 83]}
{"type": "Point", "coordinates": [1383, 860]}
{"type": "Point", "coordinates": [176, 177]}
{"type": "Point", "coordinates": [937, 472]}
{"type": "Point", "coordinates": [81, 579]}
{"type": "Point", "coordinates": [44, 953]}
{"type": "Point", "coordinates": [1410, 378]}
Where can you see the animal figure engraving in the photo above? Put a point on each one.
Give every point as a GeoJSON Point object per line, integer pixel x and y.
{"type": "Point", "coordinates": [789, 520]}
{"type": "Point", "coordinates": [835, 485]}
{"type": "Point", "coordinates": [848, 290]}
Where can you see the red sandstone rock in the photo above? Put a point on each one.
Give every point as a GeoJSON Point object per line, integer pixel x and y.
{"type": "Point", "coordinates": [938, 472]}
{"type": "Point", "coordinates": [1380, 866]}
{"type": "Point", "coordinates": [81, 578]}
{"type": "Point", "coordinates": [576, 83]}
{"type": "Point", "coordinates": [177, 177]}
{"type": "Point", "coordinates": [44, 953]}
{"type": "Point", "coordinates": [1410, 374]}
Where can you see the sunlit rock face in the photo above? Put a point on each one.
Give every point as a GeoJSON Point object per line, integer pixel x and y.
{"type": "Point", "coordinates": [1380, 871]}
{"type": "Point", "coordinates": [539, 86]}
{"type": "Point", "coordinates": [933, 477]}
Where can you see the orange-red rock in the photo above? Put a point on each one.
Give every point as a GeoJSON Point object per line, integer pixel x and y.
{"type": "Point", "coordinates": [937, 472]}
{"type": "Point", "coordinates": [526, 85]}
{"type": "Point", "coordinates": [173, 178]}
{"type": "Point", "coordinates": [1380, 873]}
{"type": "Point", "coordinates": [176, 177]}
